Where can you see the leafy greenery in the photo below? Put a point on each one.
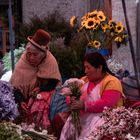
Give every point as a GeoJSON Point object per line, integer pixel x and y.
{"type": "Point", "coordinates": [7, 58]}
{"type": "Point", "coordinates": [70, 58]}
{"type": "Point", "coordinates": [53, 23]}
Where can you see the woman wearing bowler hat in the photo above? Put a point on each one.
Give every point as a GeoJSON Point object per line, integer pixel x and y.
{"type": "Point", "coordinates": [36, 72]}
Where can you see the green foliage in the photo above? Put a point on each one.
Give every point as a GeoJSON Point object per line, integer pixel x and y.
{"type": "Point", "coordinates": [7, 58]}
{"type": "Point", "coordinates": [70, 58]}
{"type": "Point", "coordinates": [53, 23]}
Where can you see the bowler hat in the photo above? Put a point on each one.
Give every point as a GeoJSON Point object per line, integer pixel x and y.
{"type": "Point", "coordinates": [40, 39]}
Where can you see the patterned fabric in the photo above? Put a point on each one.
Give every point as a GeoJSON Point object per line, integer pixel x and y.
{"type": "Point", "coordinates": [58, 104]}
{"type": "Point", "coordinates": [38, 110]}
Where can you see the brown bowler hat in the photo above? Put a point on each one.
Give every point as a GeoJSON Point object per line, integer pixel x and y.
{"type": "Point", "coordinates": [40, 39]}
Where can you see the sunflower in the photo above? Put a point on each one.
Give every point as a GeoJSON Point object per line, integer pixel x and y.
{"type": "Point", "coordinates": [101, 16]}
{"type": "Point", "coordinates": [73, 21]}
{"type": "Point", "coordinates": [111, 24]}
{"type": "Point", "coordinates": [93, 14]}
{"type": "Point", "coordinates": [96, 44]}
{"type": "Point", "coordinates": [91, 44]}
{"type": "Point", "coordinates": [85, 17]}
{"type": "Point", "coordinates": [99, 31]}
{"type": "Point", "coordinates": [83, 23]}
{"type": "Point", "coordinates": [104, 27]}
{"type": "Point", "coordinates": [97, 23]}
{"type": "Point", "coordinates": [118, 39]}
{"type": "Point", "coordinates": [119, 27]}
{"type": "Point", "coordinates": [90, 23]}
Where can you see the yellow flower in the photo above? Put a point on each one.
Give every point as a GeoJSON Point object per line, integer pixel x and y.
{"type": "Point", "coordinates": [83, 23]}
{"type": "Point", "coordinates": [73, 21]}
{"type": "Point", "coordinates": [119, 27]}
{"type": "Point", "coordinates": [111, 24]}
{"type": "Point", "coordinates": [96, 44]}
{"type": "Point", "coordinates": [104, 27]}
{"type": "Point", "coordinates": [85, 17]}
{"type": "Point", "coordinates": [97, 23]}
{"type": "Point", "coordinates": [91, 43]}
{"type": "Point", "coordinates": [118, 39]}
{"type": "Point", "coordinates": [101, 16]}
{"type": "Point", "coordinates": [90, 23]}
{"type": "Point", "coordinates": [93, 14]}
{"type": "Point", "coordinates": [101, 32]}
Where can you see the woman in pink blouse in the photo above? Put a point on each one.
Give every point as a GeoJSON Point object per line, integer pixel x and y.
{"type": "Point", "coordinates": [101, 89]}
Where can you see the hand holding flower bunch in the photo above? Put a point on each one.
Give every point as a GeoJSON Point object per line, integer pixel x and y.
{"type": "Point", "coordinates": [99, 31]}
{"type": "Point", "coordinates": [72, 88]}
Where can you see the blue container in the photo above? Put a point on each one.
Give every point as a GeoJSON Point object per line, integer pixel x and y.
{"type": "Point", "coordinates": [103, 52]}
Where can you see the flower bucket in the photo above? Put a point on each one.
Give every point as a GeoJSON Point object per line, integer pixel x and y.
{"type": "Point", "coordinates": [104, 52]}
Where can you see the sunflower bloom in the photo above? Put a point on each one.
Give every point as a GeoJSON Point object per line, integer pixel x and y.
{"type": "Point", "coordinates": [97, 44]}
{"type": "Point", "coordinates": [118, 39]}
{"type": "Point", "coordinates": [119, 27]}
{"type": "Point", "coordinates": [101, 32]}
{"type": "Point", "coordinates": [91, 44]}
{"type": "Point", "coordinates": [104, 27]}
{"type": "Point", "coordinates": [90, 23]}
{"type": "Point", "coordinates": [111, 24]}
{"type": "Point", "coordinates": [85, 17]}
{"type": "Point", "coordinates": [93, 14]}
{"type": "Point", "coordinates": [83, 23]}
{"type": "Point", "coordinates": [101, 16]}
{"type": "Point", "coordinates": [97, 23]}
{"type": "Point", "coordinates": [73, 21]}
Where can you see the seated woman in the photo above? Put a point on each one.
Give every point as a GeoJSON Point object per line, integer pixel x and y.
{"type": "Point", "coordinates": [36, 61]}
{"type": "Point", "coordinates": [101, 89]}
{"type": "Point", "coordinates": [36, 67]}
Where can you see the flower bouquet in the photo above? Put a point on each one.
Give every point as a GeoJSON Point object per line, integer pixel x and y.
{"type": "Point", "coordinates": [11, 131]}
{"type": "Point", "coordinates": [99, 31]}
{"type": "Point", "coordinates": [119, 124]}
{"type": "Point", "coordinates": [71, 87]}
{"type": "Point", "coordinates": [8, 107]}
{"type": "Point", "coordinates": [36, 135]}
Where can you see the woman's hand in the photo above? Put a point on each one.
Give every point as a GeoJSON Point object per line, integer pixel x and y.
{"type": "Point", "coordinates": [35, 91]}
{"type": "Point", "coordinates": [77, 105]}
{"type": "Point", "coordinates": [65, 91]}
{"type": "Point", "coordinates": [24, 106]}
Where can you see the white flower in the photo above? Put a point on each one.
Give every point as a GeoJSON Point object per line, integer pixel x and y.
{"type": "Point", "coordinates": [44, 132]}
{"type": "Point", "coordinates": [73, 80]}
{"type": "Point", "coordinates": [65, 91]}
{"type": "Point", "coordinates": [122, 122]}
{"type": "Point", "coordinates": [130, 137]}
{"type": "Point", "coordinates": [39, 96]}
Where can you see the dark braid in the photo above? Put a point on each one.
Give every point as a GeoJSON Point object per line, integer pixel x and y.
{"type": "Point", "coordinates": [96, 60]}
